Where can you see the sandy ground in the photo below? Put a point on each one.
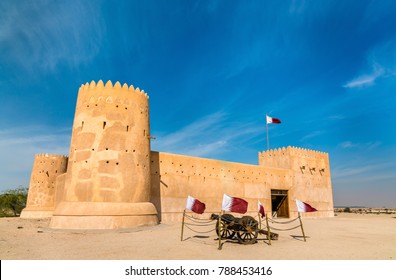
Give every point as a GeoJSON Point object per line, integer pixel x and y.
{"type": "Point", "coordinates": [344, 237]}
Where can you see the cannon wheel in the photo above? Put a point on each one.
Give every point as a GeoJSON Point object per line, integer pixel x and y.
{"type": "Point", "coordinates": [223, 229]}
{"type": "Point", "coordinates": [248, 235]}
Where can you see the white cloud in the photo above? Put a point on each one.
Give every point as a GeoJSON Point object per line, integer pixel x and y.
{"type": "Point", "coordinates": [209, 136]}
{"type": "Point", "coordinates": [381, 63]}
{"type": "Point", "coordinates": [365, 146]}
{"type": "Point", "coordinates": [347, 144]}
{"type": "Point", "coordinates": [312, 135]}
{"type": "Point", "coordinates": [18, 147]}
{"type": "Point", "coordinates": [34, 37]}
{"type": "Point", "coordinates": [366, 79]}
{"type": "Point", "coordinates": [364, 171]}
{"type": "Point", "coordinates": [336, 117]}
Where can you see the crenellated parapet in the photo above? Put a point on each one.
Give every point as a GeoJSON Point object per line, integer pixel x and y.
{"type": "Point", "coordinates": [295, 158]}
{"type": "Point", "coordinates": [87, 87]}
{"type": "Point", "coordinates": [90, 94]}
{"type": "Point", "coordinates": [102, 105]}
{"type": "Point", "coordinates": [52, 156]}
{"type": "Point", "coordinates": [278, 158]}
{"type": "Point", "coordinates": [52, 164]}
{"type": "Point", "coordinates": [302, 152]}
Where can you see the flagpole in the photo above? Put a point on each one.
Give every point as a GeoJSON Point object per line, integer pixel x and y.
{"type": "Point", "coordinates": [219, 230]}
{"type": "Point", "coordinates": [268, 230]}
{"type": "Point", "coordinates": [259, 217]}
{"type": "Point", "coordinates": [302, 228]}
{"type": "Point", "coordinates": [182, 229]}
{"type": "Point", "coordinates": [266, 125]}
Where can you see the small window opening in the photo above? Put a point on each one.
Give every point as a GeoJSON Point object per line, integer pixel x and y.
{"type": "Point", "coordinates": [104, 125]}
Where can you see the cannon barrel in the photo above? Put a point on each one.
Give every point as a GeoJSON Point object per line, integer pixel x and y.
{"type": "Point", "coordinates": [227, 218]}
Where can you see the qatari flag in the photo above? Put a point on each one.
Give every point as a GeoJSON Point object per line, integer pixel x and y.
{"type": "Point", "coordinates": [195, 205]}
{"type": "Point", "coordinates": [234, 204]}
{"type": "Point", "coordinates": [304, 207]}
{"type": "Point", "coordinates": [261, 209]}
{"type": "Point", "coordinates": [272, 120]}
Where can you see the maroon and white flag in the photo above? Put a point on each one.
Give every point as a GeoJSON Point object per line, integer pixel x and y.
{"type": "Point", "coordinates": [272, 120]}
{"type": "Point", "coordinates": [195, 205]}
{"type": "Point", "coordinates": [304, 207]}
{"type": "Point", "coordinates": [261, 209]}
{"type": "Point", "coordinates": [234, 204]}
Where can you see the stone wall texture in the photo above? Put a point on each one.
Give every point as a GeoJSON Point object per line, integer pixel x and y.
{"type": "Point", "coordinates": [42, 188]}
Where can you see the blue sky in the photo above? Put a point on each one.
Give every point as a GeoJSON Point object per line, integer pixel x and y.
{"type": "Point", "coordinates": [212, 69]}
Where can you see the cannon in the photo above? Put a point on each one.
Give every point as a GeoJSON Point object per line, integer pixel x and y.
{"type": "Point", "coordinates": [246, 228]}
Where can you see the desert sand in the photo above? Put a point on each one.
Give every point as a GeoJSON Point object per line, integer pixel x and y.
{"type": "Point", "coordinates": [347, 236]}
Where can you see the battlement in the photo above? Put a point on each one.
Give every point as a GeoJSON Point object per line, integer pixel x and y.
{"type": "Point", "coordinates": [51, 155]}
{"type": "Point", "coordinates": [292, 157]}
{"type": "Point", "coordinates": [293, 151]}
{"type": "Point", "coordinates": [301, 152]}
{"type": "Point", "coordinates": [89, 87]}
{"type": "Point", "coordinates": [115, 97]}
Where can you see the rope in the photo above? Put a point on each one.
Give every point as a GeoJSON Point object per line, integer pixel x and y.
{"type": "Point", "coordinates": [200, 221]}
{"type": "Point", "coordinates": [190, 224]}
{"type": "Point", "coordinates": [287, 222]}
{"type": "Point", "coordinates": [196, 222]}
{"type": "Point", "coordinates": [186, 225]}
{"type": "Point", "coordinates": [284, 229]}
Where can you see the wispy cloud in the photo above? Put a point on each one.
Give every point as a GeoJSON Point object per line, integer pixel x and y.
{"type": "Point", "coordinates": [34, 37]}
{"type": "Point", "coordinates": [209, 136]}
{"type": "Point", "coordinates": [347, 144]}
{"type": "Point", "coordinates": [371, 169]}
{"type": "Point", "coordinates": [18, 147]}
{"type": "Point", "coordinates": [366, 79]}
{"type": "Point", "coordinates": [366, 146]}
{"type": "Point", "coordinates": [336, 117]}
{"type": "Point", "coordinates": [312, 135]}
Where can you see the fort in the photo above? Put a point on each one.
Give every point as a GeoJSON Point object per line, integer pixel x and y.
{"type": "Point", "coordinates": [111, 178]}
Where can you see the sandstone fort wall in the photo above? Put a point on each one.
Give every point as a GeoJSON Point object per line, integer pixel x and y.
{"type": "Point", "coordinates": [311, 174]}
{"type": "Point", "coordinates": [107, 184]}
{"type": "Point", "coordinates": [114, 180]}
{"type": "Point", "coordinates": [110, 149]}
{"type": "Point", "coordinates": [174, 177]}
{"type": "Point", "coordinates": [42, 187]}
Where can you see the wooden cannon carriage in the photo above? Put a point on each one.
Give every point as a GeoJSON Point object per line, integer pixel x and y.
{"type": "Point", "coordinates": [246, 228]}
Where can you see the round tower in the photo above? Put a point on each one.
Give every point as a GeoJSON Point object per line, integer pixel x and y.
{"type": "Point", "coordinates": [42, 186]}
{"type": "Point", "coordinates": [108, 177]}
